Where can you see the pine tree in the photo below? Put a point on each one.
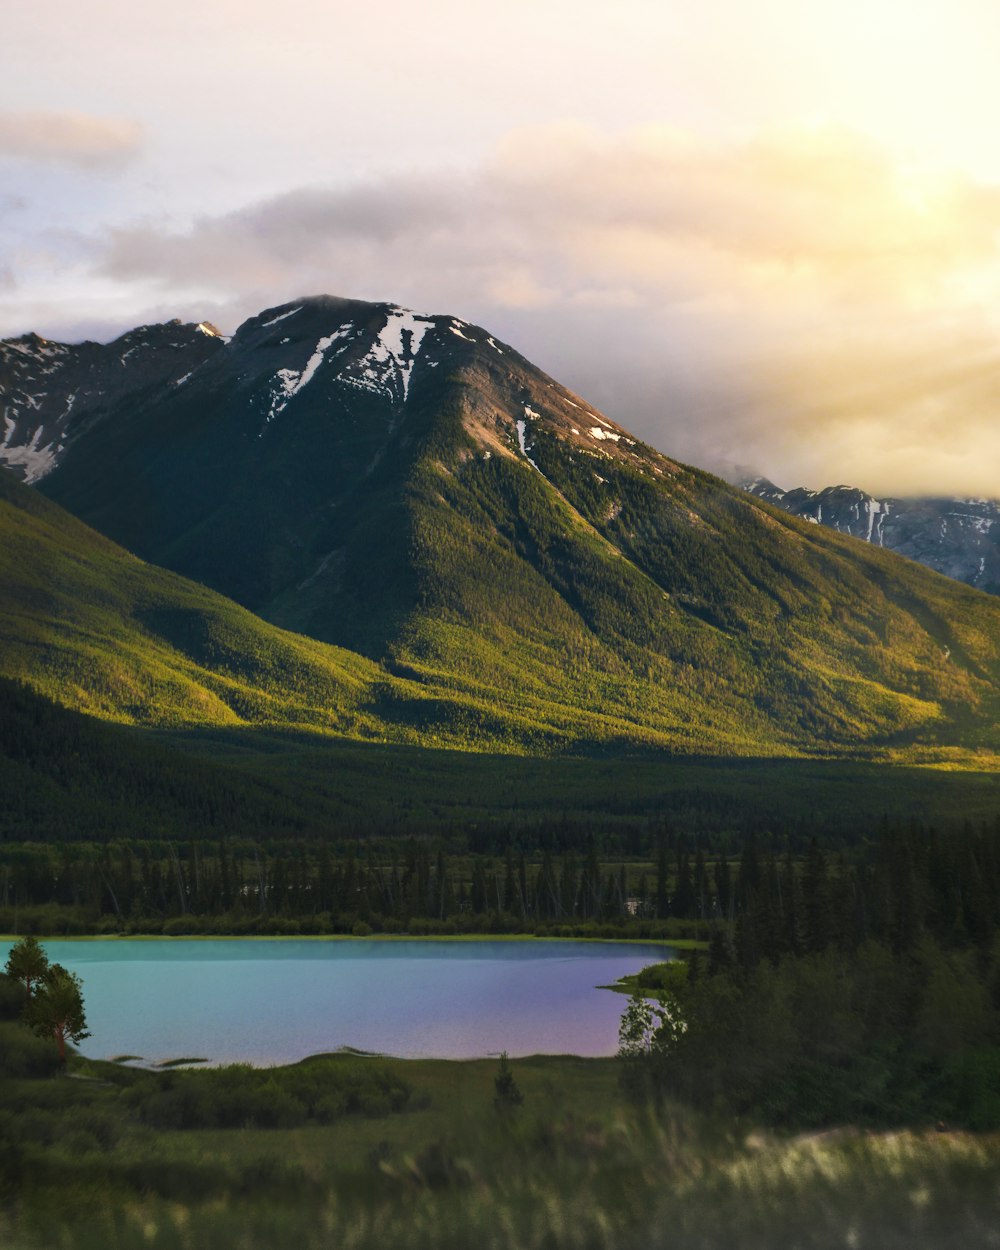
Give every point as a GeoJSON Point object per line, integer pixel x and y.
{"type": "Point", "coordinates": [684, 895]}
{"type": "Point", "coordinates": [27, 963]}
{"type": "Point", "coordinates": [816, 900]}
{"type": "Point", "coordinates": [56, 1010]}
{"type": "Point", "coordinates": [507, 1095]}
{"type": "Point", "coordinates": [662, 906]}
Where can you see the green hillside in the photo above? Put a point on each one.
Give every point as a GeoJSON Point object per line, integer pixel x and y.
{"type": "Point", "coordinates": [519, 571]}
{"type": "Point", "coordinates": [682, 605]}
{"type": "Point", "coordinates": [96, 629]}
{"type": "Point", "coordinates": [496, 565]}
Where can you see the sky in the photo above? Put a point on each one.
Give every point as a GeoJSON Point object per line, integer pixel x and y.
{"type": "Point", "coordinates": [762, 235]}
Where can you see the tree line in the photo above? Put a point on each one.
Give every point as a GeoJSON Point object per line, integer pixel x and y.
{"type": "Point", "coordinates": [758, 897]}
{"type": "Point", "coordinates": [862, 991]}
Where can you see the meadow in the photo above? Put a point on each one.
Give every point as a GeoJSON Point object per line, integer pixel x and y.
{"type": "Point", "coordinates": [416, 1154]}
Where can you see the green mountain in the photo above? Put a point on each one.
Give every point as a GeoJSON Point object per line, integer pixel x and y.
{"type": "Point", "coordinates": [492, 562]}
{"type": "Point", "coordinates": [94, 628]}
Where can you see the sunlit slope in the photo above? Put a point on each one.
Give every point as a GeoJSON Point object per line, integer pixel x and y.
{"type": "Point", "coordinates": [720, 622]}
{"type": "Point", "coordinates": [93, 627]}
{"type": "Point", "coordinates": [525, 574]}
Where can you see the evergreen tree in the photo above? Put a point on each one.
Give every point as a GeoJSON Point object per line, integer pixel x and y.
{"type": "Point", "coordinates": [684, 895]}
{"type": "Point", "coordinates": [56, 1009]}
{"type": "Point", "coordinates": [723, 887]}
{"type": "Point", "coordinates": [816, 900]}
{"type": "Point", "coordinates": [509, 884]}
{"type": "Point", "coordinates": [27, 963]}
{"type": "Point", "coordinates": [507, 1094]}
{"type": "Point", "coordinates": [662, 905]}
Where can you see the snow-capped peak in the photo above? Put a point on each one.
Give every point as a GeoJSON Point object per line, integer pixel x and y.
{"type": "Point", "coordinates": [386, 367]}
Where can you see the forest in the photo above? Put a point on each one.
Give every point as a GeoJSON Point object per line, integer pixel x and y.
{"type": "Point", "coordinates": [839, 1020]}
{"type": "Point", "coordinates": [774, 895]}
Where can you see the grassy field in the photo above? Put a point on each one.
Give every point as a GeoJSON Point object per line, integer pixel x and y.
{"type": "Point", "coordinates": [574, 1166]}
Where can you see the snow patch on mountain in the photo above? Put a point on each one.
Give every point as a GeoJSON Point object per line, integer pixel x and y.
{"type": "Point", "coordinates": [36, 461]}
{"type": "Point", "coordinates": [289, 383]}
{"type": "Point", "coordinates": [872, 507]}
{"type": "Point", "coordinates": [281, 317]}
{"type": "Point", "coordinates": [387, 366]}
{"type": "Point", "coordinates": [522, 428]}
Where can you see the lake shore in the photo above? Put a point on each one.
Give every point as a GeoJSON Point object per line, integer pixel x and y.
{"type": "Point", "coordinates": [677, 943]}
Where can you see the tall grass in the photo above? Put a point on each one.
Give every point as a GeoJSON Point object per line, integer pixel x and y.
{"type": "Point", "coordinates": [568, 1186]}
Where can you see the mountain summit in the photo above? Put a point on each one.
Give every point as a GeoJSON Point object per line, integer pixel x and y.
{"type": "Point", "coordinates": [408, 487]}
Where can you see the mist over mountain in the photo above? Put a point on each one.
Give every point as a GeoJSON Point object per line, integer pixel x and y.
{"type": "Point", "coordinates": [520, 570]}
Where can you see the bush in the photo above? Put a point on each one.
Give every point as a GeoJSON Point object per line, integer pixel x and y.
{"type": "Point", "coordinates": [22, 1054]}
{"type": "Point", "coordinates": [12, 998]}
{"type": "Point", "coordinates": [240, 1096]}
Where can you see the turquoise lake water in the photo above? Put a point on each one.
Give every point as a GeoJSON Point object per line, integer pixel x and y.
{"type": "Point", "coordinates": [264, 1001]}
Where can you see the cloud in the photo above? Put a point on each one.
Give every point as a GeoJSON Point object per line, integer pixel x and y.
{"type": "Point", "coordinates": [69, 138]}
{"type": "Point", "coordinates": [803, 300]}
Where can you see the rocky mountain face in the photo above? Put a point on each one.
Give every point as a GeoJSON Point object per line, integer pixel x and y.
{"type": "Point", "coordinates": [52, 392]}
{"type": "Point", "coordinates": [509, 566]}
{"type": "Point", "coordinates": [283, 471]}
{"type": "Point", "coordinates": [957, 537]}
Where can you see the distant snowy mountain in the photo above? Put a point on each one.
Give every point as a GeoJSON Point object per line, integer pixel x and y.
{"type": "Point", "coordinates": [957, 537]}
{"type": "Point", "coordinates": [50, 392]}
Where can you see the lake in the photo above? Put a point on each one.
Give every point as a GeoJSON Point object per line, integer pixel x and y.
{"type": "Point", "coordinates": [266, 1000]}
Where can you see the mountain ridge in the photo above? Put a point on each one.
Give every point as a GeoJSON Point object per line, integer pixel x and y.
{"type": "Point", "coordinates": [409, 488]}
{"type": "Point", "coordinates": [957, 537]}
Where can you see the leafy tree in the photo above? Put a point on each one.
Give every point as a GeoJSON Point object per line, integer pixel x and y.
{"type": "Point", "coordinates": [648, 1032]}
{"type": "Point", "coordinates": [508, 1094]}
{"type": "Point", "coordinates": [649, 1028]}
{"type": "Point", "coordinates": [56, 1010]}
{"type": "Point", "coordinates": [637, 1030]}
{"type": "Point", "coordinates": [27, 963]}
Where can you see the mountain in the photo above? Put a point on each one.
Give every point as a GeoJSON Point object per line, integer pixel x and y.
{"type": "Point", "coordinates": [957, 537]}
{"type": "Point", "coordinates": [52, 391]}
{"type": "Point", "coordinates": [501, 565]}
{"type": "Point", "coordinates": [90, 626]}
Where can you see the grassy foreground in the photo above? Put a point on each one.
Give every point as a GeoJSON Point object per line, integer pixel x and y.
{"type": "Point", "coordinates": [418, 1156]}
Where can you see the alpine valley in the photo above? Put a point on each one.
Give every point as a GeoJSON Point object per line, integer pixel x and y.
{"type": "Point", "coordinates": [351, 528]}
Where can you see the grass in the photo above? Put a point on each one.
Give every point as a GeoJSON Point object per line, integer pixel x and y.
{"type": "Point", "coordinates": [575, 1167]}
